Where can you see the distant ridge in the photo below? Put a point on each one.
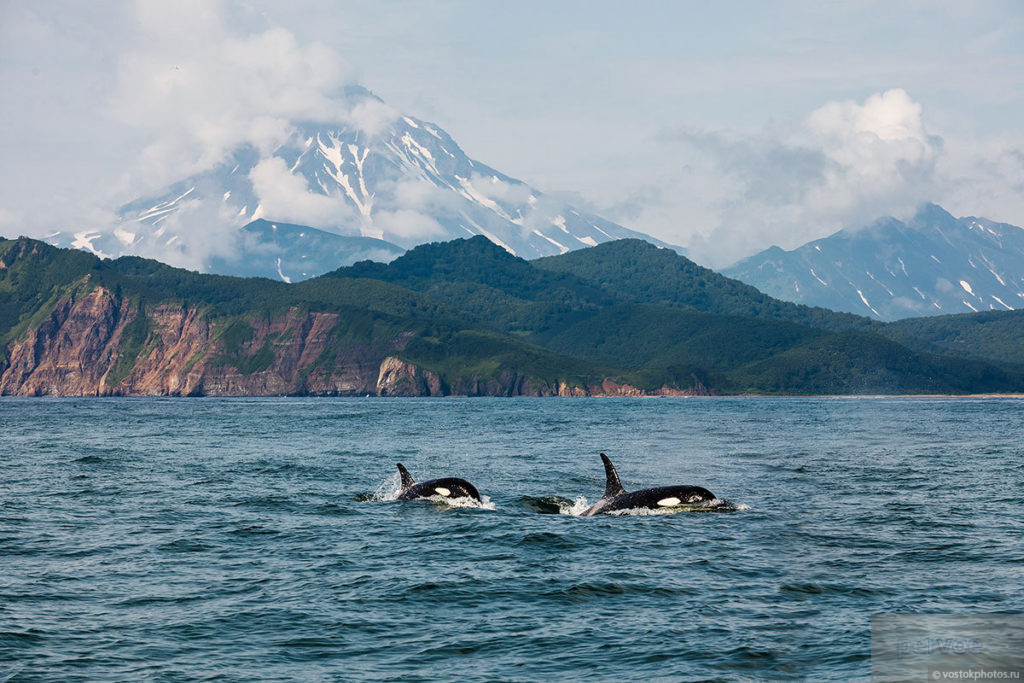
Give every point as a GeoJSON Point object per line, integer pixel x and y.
{"type": "Point", "coordinates": [933, 264]}
{"type": "Point", "coordinates": [461, 318]}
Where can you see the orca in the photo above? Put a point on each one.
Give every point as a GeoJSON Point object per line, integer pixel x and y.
{"type": "Point", "coordinates": [616, 498]}
{"type": "Point", "coordinates": [448, 487]}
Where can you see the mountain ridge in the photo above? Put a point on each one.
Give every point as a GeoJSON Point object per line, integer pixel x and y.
{"type": "Point", "coordinates": [932, 264]}
{"type": "Point", "coordinates": [73, 324]}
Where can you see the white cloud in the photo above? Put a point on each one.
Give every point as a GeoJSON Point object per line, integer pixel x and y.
{"type": "Point", "coordinates": [371, 116]}
{"type": "Point", "coordinates": [286, 197]}
{"type": "Point", "coordinates": [846, 164]}
{"type": "Point", "coordinates": [201, 88]}
{"type": "Point", "coordinates": [875, 151]}
{"type": "Point", "coordinates": [195, 233]}
{"type": "Point", "coordinates": [494, 188]}
{"type": "Point", "coordinates": [117, 98]}
{"type": "Point", "coordinates": [406, 227]}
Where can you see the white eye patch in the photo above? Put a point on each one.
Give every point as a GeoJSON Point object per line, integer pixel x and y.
{"type": "Point", "coordinates": [443, 491]}
{"type": "Point", "coordinates": [668, 502]}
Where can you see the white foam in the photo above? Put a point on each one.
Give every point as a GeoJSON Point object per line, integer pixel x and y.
{"type": "Point", "coordinates": [710, 505]}
{"type": "Point", "coordinates": [389, 488]}
{"type": "Point", "coordinates": [484, 503]}
{"type": "Point", "coordinates": [576, 508]}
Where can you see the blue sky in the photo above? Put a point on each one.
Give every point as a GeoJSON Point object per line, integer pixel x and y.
{"type": "Point", "coordinates": [724, 127]}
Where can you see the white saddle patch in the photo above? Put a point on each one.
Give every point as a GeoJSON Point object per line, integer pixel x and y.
{"type": "Point", "coordinates": [668, 502]}
{"type": "Point", "coordinates": [443, 491]}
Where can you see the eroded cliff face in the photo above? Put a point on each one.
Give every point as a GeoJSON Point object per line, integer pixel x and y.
{"type": "Point", "coordinates": [84, 348]}
{"type": "Point", "coordinates": [94, 343]}
{"type": "Point", "coordinates": [70, 351]}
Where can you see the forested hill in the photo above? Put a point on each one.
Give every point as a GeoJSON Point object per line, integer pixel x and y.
{"type": "Point", "coordinates": [461, 317]}
{"type": "Point", "coordinates": [640, 271]}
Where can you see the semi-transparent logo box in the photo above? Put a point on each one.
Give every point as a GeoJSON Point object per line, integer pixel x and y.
{"type": "Point", "coordinates": [947, 647]}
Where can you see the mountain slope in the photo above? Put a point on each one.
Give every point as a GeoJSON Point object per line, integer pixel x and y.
{"type": "Point", "coordinates": [993, 336]}
{"type": "Point", "coordinates": [296, 252]}
{"type": "Point", "coordinates": [75, 325]}
{"type": "Point", "coordinates": [405, 182]}
{"type": "Point", "coordinates": [462, 317]}
{"type": "Point", "coordinates": [647, 310]}
{"type": "Point", "coordinates": [491, 285]}
{"type": "Point", "coordinates": [931, 265]}
{"type": "Point", "coordinates": [638, 271]}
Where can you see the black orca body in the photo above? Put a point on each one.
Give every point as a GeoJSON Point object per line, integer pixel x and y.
{"type": "Point", "coordinates": [616, 498]}
{"type": "Point", "coordinates": [449, 487]}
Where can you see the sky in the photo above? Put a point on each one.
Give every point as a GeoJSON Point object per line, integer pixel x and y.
{"type": "Point", "coordinates": [721, 127]}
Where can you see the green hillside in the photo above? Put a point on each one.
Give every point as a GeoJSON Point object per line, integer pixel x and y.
{"type": "Point", "coordinates": [639, 271]}
{"type": "Point", "coordinates": [486, 322]}
{"type": "Point", "coordinates": [994, 336]}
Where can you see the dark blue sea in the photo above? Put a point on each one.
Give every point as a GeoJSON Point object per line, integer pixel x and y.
{"type": "Point", "coordinates": [258, 539]}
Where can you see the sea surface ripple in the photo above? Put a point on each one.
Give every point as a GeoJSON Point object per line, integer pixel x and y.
{"type": "Point", "coordinates": [241, 539]}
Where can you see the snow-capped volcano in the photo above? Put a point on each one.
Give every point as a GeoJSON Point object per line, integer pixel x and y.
{"type": "Point", "coordinates": [402, 182]}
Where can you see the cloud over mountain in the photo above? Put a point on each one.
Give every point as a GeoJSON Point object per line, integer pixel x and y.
{"type": "Point", "coordinates": [686, 130]}
{"type": "Point", "coordinates": [846, 163]}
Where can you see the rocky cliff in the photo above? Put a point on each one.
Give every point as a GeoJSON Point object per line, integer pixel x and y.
{"type": "Point", "coordinates": [96, 343]}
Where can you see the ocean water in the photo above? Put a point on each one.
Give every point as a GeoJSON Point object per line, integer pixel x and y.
{"type": "Point", "coordinates": [255, 539]}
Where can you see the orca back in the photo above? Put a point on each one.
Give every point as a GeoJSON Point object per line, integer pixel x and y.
{"type": "Point", "coordinates": [617, 498]}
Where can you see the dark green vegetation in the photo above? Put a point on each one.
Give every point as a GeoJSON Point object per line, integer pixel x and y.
{"type": "Point", "coordinates": [665, 320]}
{"type": "Point", "coordinates": [996, 336]}
{"type": "Point", "coordinates": [472, 313]}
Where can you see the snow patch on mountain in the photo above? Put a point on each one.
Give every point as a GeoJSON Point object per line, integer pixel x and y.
{"type": "Point", "coordinates": [894, 269]}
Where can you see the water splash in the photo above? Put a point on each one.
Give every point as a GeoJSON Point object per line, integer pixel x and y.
{"type": "Point", "coordinates": [485, 503]}
{"type": "Point", "coordinates": [391, 487]}
{"type": "Point", "coordinates": [714, 505]}
{"type": "Point", "coordinates": [386, 490]}
{"type": "Point", "coordinates": [575, 508]}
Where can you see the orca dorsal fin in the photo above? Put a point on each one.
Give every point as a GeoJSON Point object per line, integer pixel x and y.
{"type": "Point", "coordinates": [612, 487]}
{"type": "Point", "coordinates": [407, 480]}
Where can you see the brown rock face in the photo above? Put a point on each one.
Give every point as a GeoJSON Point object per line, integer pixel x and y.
{"type": "Point", "coordinates": [399, 378]}
{"type": "Point", "coordinates": [95, 343]}
{"type": "Point", "coordinates": [69, 352]}
{"type": "Point", "coordinates": [83, 348]}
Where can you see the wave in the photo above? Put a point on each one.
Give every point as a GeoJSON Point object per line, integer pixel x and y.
{"type": "Point", "coordinates": [714, 505]}
{"type": "Point", "coordinates": [556, 505]}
